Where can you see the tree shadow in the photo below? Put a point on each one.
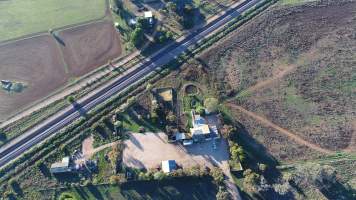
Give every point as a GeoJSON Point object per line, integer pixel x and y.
{"type": "Point", "coordinates": [44, 170]}
{"type": "Point", "coordinates": [337, 190]}
{"type": "Point", "coordinates": [78, 107]}
{"type": "Point", "coordinates": [17, 189]}
{"type": "Point", "coordinates": [255, 150]}
{"type": "Point", "coordinates": [95, 192]}
{"type": "Point", "coordinates": [67, 177]}
{"type": "Point", "coordinates": [58, 39]}
{"type": "Point", "coordinates": [3, 137]}
{"type": "Point", "coordinates": [81, 192]}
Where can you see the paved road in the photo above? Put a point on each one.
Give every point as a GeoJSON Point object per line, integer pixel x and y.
{"type": "Point", "coordinates": [50, 126]}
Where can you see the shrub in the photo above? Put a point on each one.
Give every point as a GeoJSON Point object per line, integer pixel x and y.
{"type": "Point", "coordinates": [116, 179]}
{"type": "Point", "coordinates": [262, 167]}
{"type": "Point", "coordinates": [137, 36]}
{"type": "Point", "coordinates": [70, 99]}
{"type": "Point", "coordinates": [211, 104]}
{"type": "Point", "coordinates": [67, 196]}
{"type": "Point", "coordinates": [217, 175]}
{"type": "Point", "coordinates": [222, 194]}
{"type": "Point", "coordinates": [159, 175]}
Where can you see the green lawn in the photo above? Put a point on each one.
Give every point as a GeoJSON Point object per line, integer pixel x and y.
{"type": "Point", "coordinates": [131, 122]}
{"type": "Point", "coordinates": [182, 189]}
{"type": "Point", "coordinates": [23, 17]}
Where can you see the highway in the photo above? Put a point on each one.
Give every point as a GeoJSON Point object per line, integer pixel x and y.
{"type": "Point", "coordinates": [50, 126]}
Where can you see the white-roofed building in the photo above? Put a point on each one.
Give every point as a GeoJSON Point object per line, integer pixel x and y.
{"type": "Point", "coordinates": [168, 166]}
{"type": "Point", "coordinates": [148, 14]}
{"type": "Point", "coordinates": [61, 167]}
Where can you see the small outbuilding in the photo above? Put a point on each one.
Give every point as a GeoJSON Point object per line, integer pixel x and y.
{"type": "Point", "coordinates": [148, 14]}
{"type": "Point", "coordinates": [168, 166]}
{"type": "Point", "coordinates": [61, 167]}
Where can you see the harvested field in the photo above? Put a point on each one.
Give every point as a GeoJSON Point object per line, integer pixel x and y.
{"type": "Point", "coordinates": [35, 62]}
{"type": "Point", "coordinates": [46, 64]}
{"type": "Point", "coordinates": [86, 47]}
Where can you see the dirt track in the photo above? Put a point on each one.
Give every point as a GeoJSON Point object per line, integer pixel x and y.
{"type": "Point", "coordinates": [286, 132]}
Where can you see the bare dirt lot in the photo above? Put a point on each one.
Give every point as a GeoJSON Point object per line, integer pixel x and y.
{"type": "Point", "coordinates": [45, 64]}
{"type": "Point", "coordinates": [89, 46]}
{"type": "Point", "coordinates": [35, 62]}
{"type": "Point", "coordinates": [150, 149]}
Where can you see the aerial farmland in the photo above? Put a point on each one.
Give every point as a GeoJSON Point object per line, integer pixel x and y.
{"type": "Point", "coordinates": [48, 49]}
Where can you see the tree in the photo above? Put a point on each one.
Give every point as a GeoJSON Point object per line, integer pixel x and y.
{"type": "Point", "coordinates": [3, 136]}
{"type": "Point", "coordinates": [222, 194]}
{"type": "Point", "coordinates": [172, 7]}
{"type": "Point", "coordinates": [116, 179]}
{"type": "Point", "coordinates": [171, 118]}
{"type": "Point", "coordinates": [149, 86]}
{"type": "Point", "coordinates": [200, 110]}
{"type": "Point", "coordinates": [137, 36]}
{"type": "Point", "coordinates": [227, 131]}
{"type": "Point", "coordinates": [118, 126]}
{"type": "Point", "coordinates": [70, 99]}
{"type": "Point", "coordinates": [211, 104]}
{"type": "Point", "coordinates": [159, 175]}
{"type": "Point", "coordinates": [87, 182]}
{"type": "Point", "coordinates": [188, 9]}
{"type": "Point", "coordinates": [315, 174]}
{"type": "Point", "coordinates": [237, 152]}
{"type": "Point", "coordinates": [131, 100]}
{"type": "Point", "coordinates": [217, 175]}
{"type": "Point", "coordinates": [262, 167]}
{"type": "Point", "coordinates": [114, 155]}
{"type": "Point", "coordinates": [251, 181]}
{"type": "Point", "coordinates": [67, 196]}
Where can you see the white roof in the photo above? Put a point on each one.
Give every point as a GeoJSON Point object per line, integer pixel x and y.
{"type": "Point", "coordinates": [180, 136]}
{"type": "Point", "coordinates": [65, 160]}
{"type": "Point", "coordinates": [202, 129]}
{"type": "Point", "coordinates": [148, 14]}
{"type": "Point", "coordinates": [168, 166]}
{"type": "Point", "coordinates": [187, 142]}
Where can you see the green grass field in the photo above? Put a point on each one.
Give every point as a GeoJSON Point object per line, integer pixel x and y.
{"type": "Point", "coordinates": [19, 17]}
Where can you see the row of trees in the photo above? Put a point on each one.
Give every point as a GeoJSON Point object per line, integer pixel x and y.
{"type": "Point", "coordinates": [115, 156]}
{"type": "Point", "coordinates": [182, 11]}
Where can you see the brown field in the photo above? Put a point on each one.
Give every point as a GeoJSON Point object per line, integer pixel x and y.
{"type": "Point", "coordinates": [38, 62]}
{"type": "Point", "coordinates": [35, 62]}
{"type": "Point", "coordinates": [295, 67]}
{"type": "Point", "coordinates": [89, 46]}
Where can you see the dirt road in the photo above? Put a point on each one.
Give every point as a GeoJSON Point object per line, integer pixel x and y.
{"type": "Point", "coordinates": [279, 75]}
{"type": "Point", "coordinates": [281, 130]}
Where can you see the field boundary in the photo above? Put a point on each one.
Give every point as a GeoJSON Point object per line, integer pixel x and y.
{"type": "Point", "coordinates": [70, 26]}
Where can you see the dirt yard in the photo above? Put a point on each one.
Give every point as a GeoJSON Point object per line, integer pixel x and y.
{"type": "Point", "coordinates": [89, 46]}
{"type": "Point", "coordinates": [38, 62]}
{"type": "Point", "coordinates": [150, 149]}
